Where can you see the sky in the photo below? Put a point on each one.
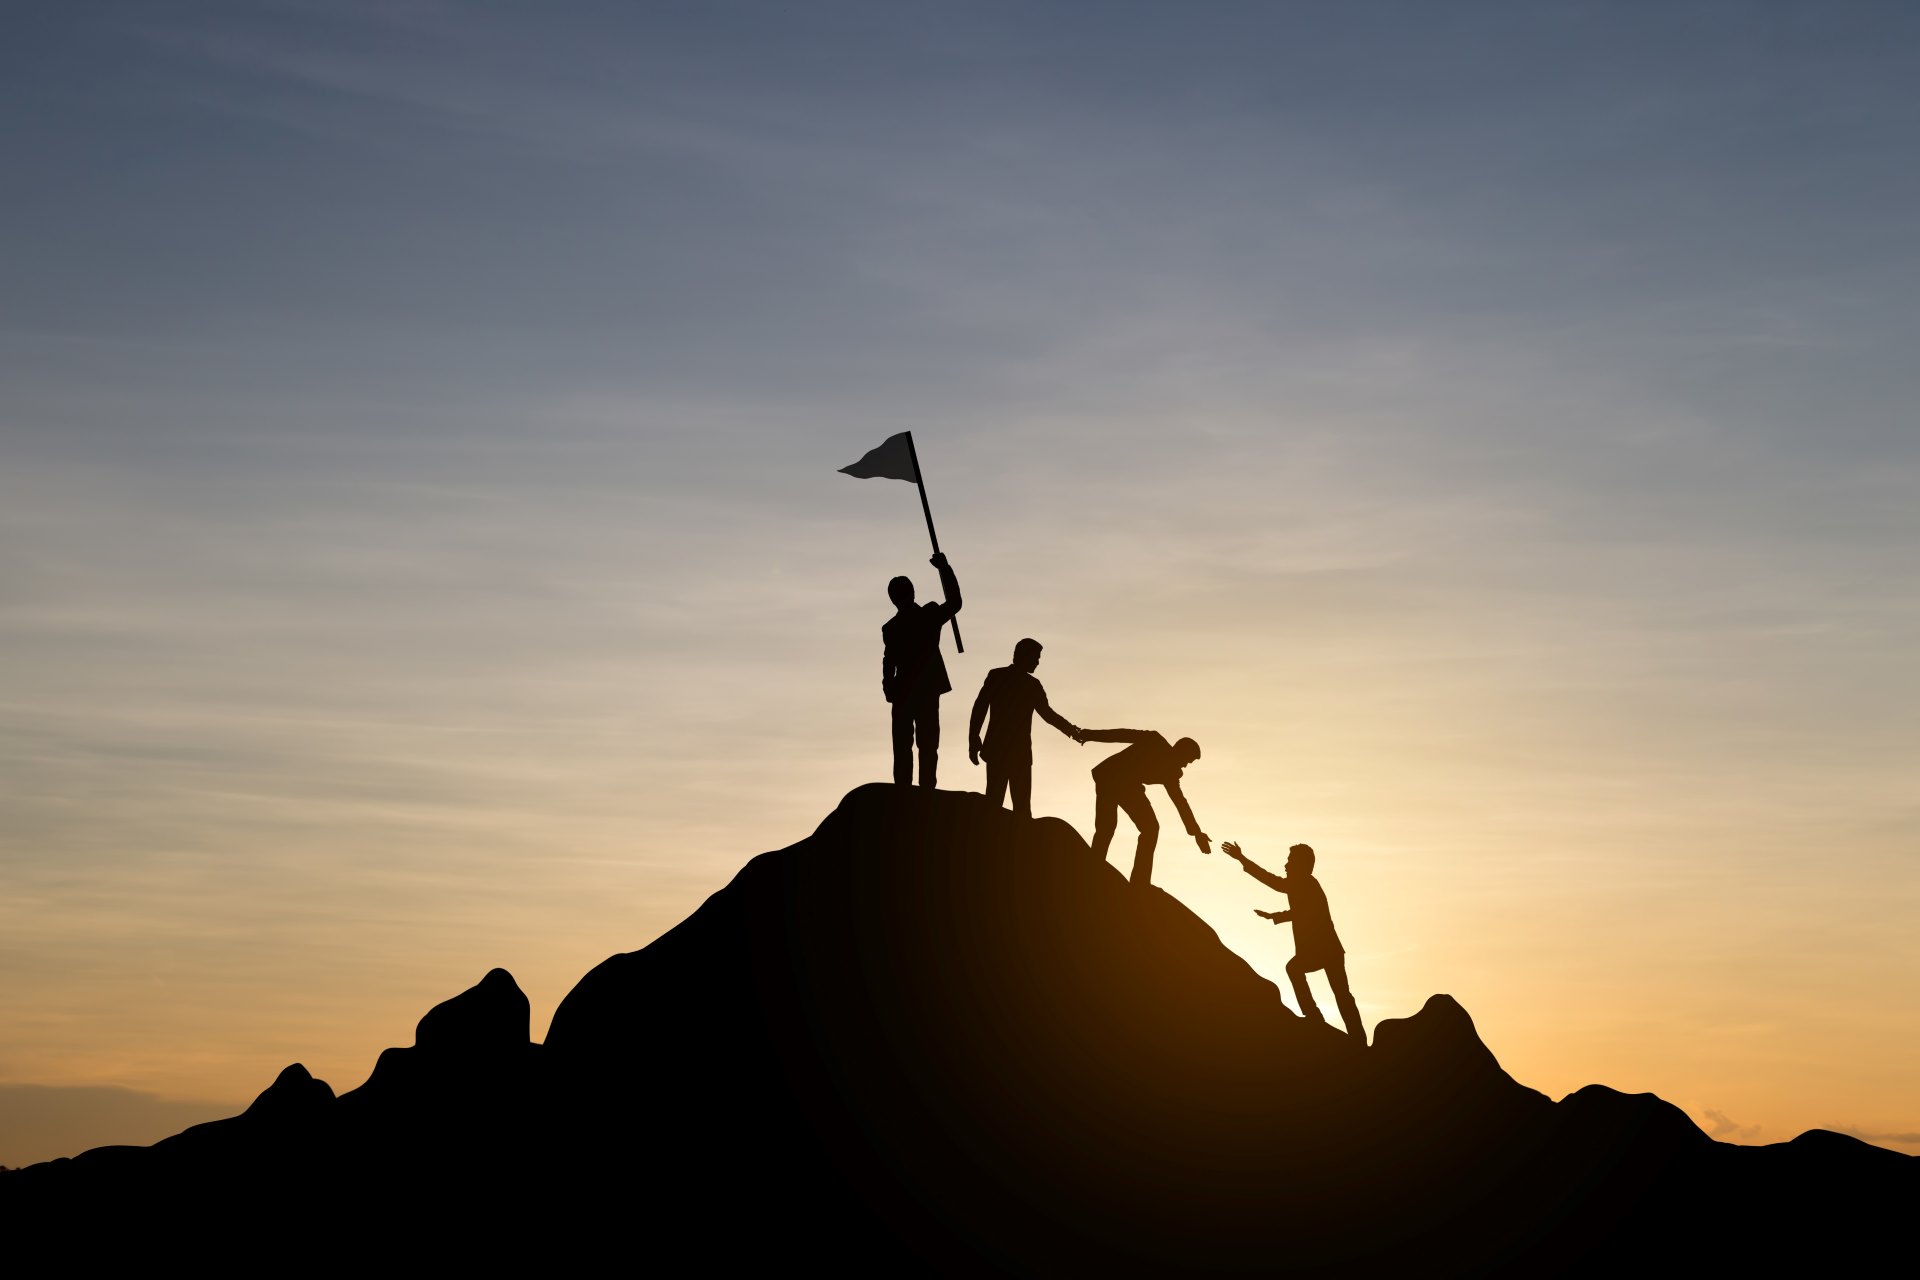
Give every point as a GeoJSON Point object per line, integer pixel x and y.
{"type": "Point", "coordinates": [1486, 428]}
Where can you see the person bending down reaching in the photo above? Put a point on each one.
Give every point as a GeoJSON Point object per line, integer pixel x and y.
{"type": "Point", "coordinates": [1120, 783]}
{"type": "Point", "coordinates": [1315, 944]}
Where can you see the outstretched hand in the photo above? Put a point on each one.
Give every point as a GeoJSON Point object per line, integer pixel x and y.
{"type": "Point", "coordinates": [939, 560]}
{"type": "Point", "coordinates": [1232, 850]}
{"type": "Point", "coordinates": [1206, 844]}
{"type": "Point", "coordinates": [1079, 735]}
{"type": "Point", "coordinates": [1267, 915]}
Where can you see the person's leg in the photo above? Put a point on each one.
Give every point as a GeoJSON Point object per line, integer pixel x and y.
{"type": "Point", "coordinates": [1106, 815]}
{"type": "Point", "coordinates": [902, 744]}
{"type": "Point", "coordinates": [1297, 971]}
{"type": "Point", "coordinates": [928, 720]}
{"type": "Point", "coordinates": [996, 782]}
{"type": "Point", "coordinates": [1140, 809]}
{"type": "Point", "coordinates": [1020, 775]}
{"type": "Point", "coordinates": [1343, 1000]}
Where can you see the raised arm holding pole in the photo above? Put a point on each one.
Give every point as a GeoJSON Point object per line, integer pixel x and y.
{"type": "Point", "coordinates": [913, 674]}
{"type": "Point", "coordinates": [946, 578]}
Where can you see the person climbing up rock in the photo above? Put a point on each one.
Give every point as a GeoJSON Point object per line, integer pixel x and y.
{"type": "Point", "coordinates": [1315, 944]}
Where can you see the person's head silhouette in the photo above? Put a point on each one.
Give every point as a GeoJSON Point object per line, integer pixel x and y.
{"type": "Point", "coordinates": [1026, 655]}
{"type": "Point", "coordinates": [900, 591]}
{"type": "Point", "coordinates": [1300, 860]}
{"type": "Point", "coordinates": [1187, 749]}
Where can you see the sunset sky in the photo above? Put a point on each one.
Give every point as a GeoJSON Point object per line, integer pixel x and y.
{"type": "Point", "coordinates": [1487, 428]}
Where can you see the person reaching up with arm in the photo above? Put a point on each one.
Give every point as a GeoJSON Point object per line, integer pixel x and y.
{"type": "Point", "coordinates": [1315, 944]}
{"type": "Point", "coordinates": [913, 675]}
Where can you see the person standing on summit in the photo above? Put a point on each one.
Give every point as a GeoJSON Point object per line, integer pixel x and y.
{"type": "Point", "coordinates": [1012, 695]}
{"type": "Point", "coordinates": [1120, 782]}
{"type": "Point", "coordinates": [913, 675]}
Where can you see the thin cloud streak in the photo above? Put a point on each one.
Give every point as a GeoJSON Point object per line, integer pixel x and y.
{"type": "Point", "coordinates": [419, 531]}
{"type": "Point", "coordinates": [44, 1122]}
{"type": "Point", "coordinates": [1881, 1139]}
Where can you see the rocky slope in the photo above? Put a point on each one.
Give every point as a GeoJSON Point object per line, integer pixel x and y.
{"type": "Point", "coordinates": [939, 1037]}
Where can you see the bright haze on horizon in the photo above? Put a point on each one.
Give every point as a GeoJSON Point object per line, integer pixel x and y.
{"type": "Point", "coordinates": [1488, 429]}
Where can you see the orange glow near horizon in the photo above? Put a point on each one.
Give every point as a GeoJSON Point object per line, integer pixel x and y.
{"type": "Point", "coordinates": [1591, 918]}
{"type": "Point", "coordinates": [422, 545]}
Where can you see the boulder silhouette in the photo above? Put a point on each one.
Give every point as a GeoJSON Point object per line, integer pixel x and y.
{"type": "Point", "coordinates": [1434, 1065]}
{"type": "Point", "coordinates": [935, 1036]}
{"type": "Point", "coordinates": [490, 1019]}
{"type": "Point", "coordinates": [294, 1093]}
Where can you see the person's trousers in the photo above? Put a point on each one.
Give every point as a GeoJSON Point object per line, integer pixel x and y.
{"type": "Point", "coordinates": [1298, 969]}
{"type": "Point", "coordinates": [1107, 803]}
{"type": "Point", "coordinates": [1016, 775]}
{"type": "Point", "coordinates": [916, 721]}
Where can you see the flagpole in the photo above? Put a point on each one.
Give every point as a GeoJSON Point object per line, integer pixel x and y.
{"type": "Point", "coordinates": [932, 537]}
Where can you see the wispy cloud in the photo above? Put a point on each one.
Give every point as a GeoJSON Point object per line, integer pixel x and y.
{"type": "Point", "coordinates": [1896, 1139]}
{"type": "Point", "coordinates": [418, 524]}
{"type": "Point", "coordinates": [1723, 1129]}
{"type": "Point", "coordinates": [362, 72]}
{"type": "Point", "coordinates": [43, 1122]}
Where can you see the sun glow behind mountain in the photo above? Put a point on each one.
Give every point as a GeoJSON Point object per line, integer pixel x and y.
{"type": "Point", "coordinates": [420, 528]}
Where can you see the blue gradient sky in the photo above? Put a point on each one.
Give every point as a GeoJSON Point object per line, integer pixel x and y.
{"type": "Point", "coordinates": [1488, 428]}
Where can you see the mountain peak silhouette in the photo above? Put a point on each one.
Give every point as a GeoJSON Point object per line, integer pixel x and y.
{"type": "Point", "coordinates": [940, 1036]}
{"type": "Point", "coordinates": [293, 1092]}
{"type": "Point", "coordinates": [490, 1018]}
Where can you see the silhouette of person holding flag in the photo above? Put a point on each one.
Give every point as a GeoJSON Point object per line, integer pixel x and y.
{"type": "Point", "coordinates": [1009, 698]}
{"type": "Point", "coordinates": [913, 675]}
{"type": "Point", "coordinates": [1120, 783]}
{"type": "Point", "coordinates": [1315, 944]}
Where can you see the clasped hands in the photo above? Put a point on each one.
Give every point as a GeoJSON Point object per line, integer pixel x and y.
{"type": "Point", "coordinates": [1073, 731]}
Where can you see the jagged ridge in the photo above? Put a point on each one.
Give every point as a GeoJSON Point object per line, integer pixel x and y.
{"type": "Point", "coordinates": [939, 1036]}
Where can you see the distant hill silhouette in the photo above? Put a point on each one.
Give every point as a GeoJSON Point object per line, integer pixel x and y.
{"type": "Point", "coordinates": [938, 1037]}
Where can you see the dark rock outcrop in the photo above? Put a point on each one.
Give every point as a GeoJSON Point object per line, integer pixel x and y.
{"type": "Point", "coordinates": [294, 1094]}
{"type": "Point", "coordinates": [491, 1019]}
{"type": "Point", "coordinates": [936, 1037]}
